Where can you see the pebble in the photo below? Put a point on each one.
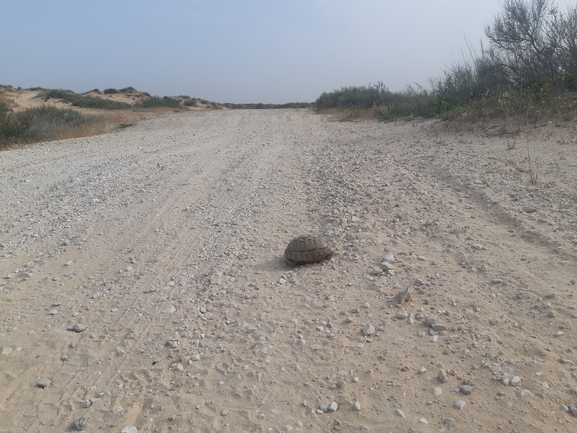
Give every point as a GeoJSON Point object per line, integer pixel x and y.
{"type": "Point", "coordinates": [169, 310]}
{"type": "Point", "coordinates": [466, 389]}
{"type": "Point", "coordinates": [459, 404]}
{"type": "Point", "coordinates": [368, 329]}
{"type": "Point", "coordinates": [399, 412]}
{"type": "Point", "coordinates": [402, 314]}
{"type": "Point", "coordinates": [423, 421]}
{"type": "Point", "coordinates": [573, 410]}
{"type": "Point", "coordinates": [129, 429]}
{"type": "Point", "coordinates": [386, 266]}
{"type": "Point", "coordinates": [430, 319]}
{"type": "Point", "coordinates": [438, 327]}
{"type": "Point", "coordinates": [516, 381]}
{"type": "Point", "coordinates": [79, 424]}
{"type": "Point", "coordinates": [224, 412]}
{"type": "Point", "coordinates": [333, 406]}
{"type": "Point", "coordinates": [43, 383]}
{"type": "Point", "coordinates": [449, 422]}
{"type": "Point", "coordinates": [434, 338]}
{"type": "Point", "coordinates": [438, 392]}
{"type": "Point", "coordinates": [5, 350]}
{"type": "Point", "coordinates": [77, 328]}
{"type": "Point", "coordinates": [52, 313]}
{"type": "Point", "coordinates": [442, 376]}
{"type": "Point", "coordinates": [389, 257]}
{"type": "Point", "coordinates": [357, 406]}
{"type": "Point", "coordinates": [523, 393]}
{"type": "Point", "coordinates": [477, 246]}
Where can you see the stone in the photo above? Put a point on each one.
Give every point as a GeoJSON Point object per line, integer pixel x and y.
{"type": "Point", "coordinates": [129, 429]}
{"type": "Point", "coordinates": [333, 406]}
{"type": "Point", "coordinates": [368, 329]}
{"type": "Point", "coordinates": [423, 421]}
{"type": "Point", "coordinates": [516, 381]}
{"type": "Point", "coordinates": [357, 406]}
{"type": "Point", "coordinates": [5, 350]}
{"type": "Point", "coordinates": [442, 376]}
{"type": "Point", "coordinates": [43, 383]}
{"type": "Point", "coordinates": [430, 319]}
{"type": "Point", "coordinates": [399, 413]}
{"type": "Point", "coordinates": [402, 314]}
{"type": "Point", "coordinates": [449, 422]}
{"type": "Point", "coordinates": [79, 424]}
{"type": "Point", "coordinates": [466, 389]}
{"type": "Point", "coordinates": [459, 404]}
{"type": "Point", "coordinates": [438, 327]}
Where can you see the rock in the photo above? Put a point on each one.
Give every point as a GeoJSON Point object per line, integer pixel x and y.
{"type": "Point", "coordinates": [399, 413]}
{"type": "Point", "coordinates": [449, 422]}
{"type": "Point", "coordinates": [529, 209]}
{"type": "Point", "coordinates": [386, 266]}
{"type": "Point", "coordinates": [368, 329]}
{"type": "Point", "coordinates": [466, 389]}
{"type": "Point", "coordinates": [516, 381]}
{"type": "Point", "coordinates": [357, 406]}
{"type": "Point", "coordinates": [573, 410]}
{"type": "Point", "coordinates": [5, 350]}
{"type": "Point", "coordinates": [129, 429]}
{"type": "Point", "coordinates": [389, 258]}
{"type": "Point", "coordinates": [76, 328]}
{"type": "Point", "coordinates": [477, 246]}
{"type": "Point", "coordinates": [423, 421]}
{"type": "Point", "coordinates": [333, 406]}
{"type": "Point", "coordinates": [523, 392]}
{"type": "Point", "coordinates": [430, 319]}
{"type": "Point", "coordinates": [442, 377]}
{"type": "Point", "coordinates": [438, 327]}
{"type": "Point", "coordinates": [43, 383]}
{"type": "Point", "coordinates": [402, 314]}
{"type": "Point", "coordinates": [459, 404]}
{"type": "Point", "coordinates": [79, 424]}
{"type": "Point", "coordinates": [438, 392]}
{"type": "Point", "coordinates": [169, 310]}
{"type": "Point", "coordinates": [505, 380]}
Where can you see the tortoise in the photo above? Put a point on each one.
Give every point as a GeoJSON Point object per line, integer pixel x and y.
{"type": "Point", "coordinates": [307, 249]}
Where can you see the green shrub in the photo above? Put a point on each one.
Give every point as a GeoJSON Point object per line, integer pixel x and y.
{"type": "Point", "coordinates": [39, 123]}
{"type": "Point", "coordinates": [110, 91]}
{"type": "Point", "coordinates": [84, 101]}
{"type": "Point", "coordinates": [157, 102]}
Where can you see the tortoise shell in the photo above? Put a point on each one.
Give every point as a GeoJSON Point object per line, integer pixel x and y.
{"type": "Point", "coordinates": [307, 249]}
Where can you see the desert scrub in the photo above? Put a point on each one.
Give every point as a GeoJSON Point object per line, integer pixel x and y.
{"type": "Point", "coordinates": [84, 101]}
{"type": "Point", "coordinates": [157, 102]}
{"type": "Point", "coordinates": [39, 123]}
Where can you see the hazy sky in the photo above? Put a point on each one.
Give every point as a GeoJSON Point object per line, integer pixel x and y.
{"type": "Point", "coordinates": [235, 50]}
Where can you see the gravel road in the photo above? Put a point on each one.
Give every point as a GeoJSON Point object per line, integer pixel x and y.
{"type": "Point", "coordinates": [143, 284]}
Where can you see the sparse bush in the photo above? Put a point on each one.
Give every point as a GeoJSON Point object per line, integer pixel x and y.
{"type": "Point", "coordinates": [84, 101]}
{"type": "Point", "coordinates": [110, 91]}
{"type": "Point", "coordinates": [529, 70]}
{"type": "Point", "coordinates": [156, 102]}
{"type": "Point", "coordinates": [39, 123]}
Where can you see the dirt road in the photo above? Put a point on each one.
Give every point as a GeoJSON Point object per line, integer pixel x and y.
{"type": "Point", "coordinates": [142, 277]}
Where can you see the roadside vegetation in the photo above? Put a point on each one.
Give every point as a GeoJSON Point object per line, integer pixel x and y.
{"type": "Point", "coordinates": [40, 123]}
{"type": "Point", "coordinates": [261, 106]}
{"type": "Point", "coordinates": [527, 72]}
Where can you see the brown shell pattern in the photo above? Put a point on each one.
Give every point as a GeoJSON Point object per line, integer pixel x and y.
{"type": "Point", "coordinates": [307, 249]}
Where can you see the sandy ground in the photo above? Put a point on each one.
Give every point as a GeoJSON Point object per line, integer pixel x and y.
{"type": "Point", "coordinates": [162, 245]}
